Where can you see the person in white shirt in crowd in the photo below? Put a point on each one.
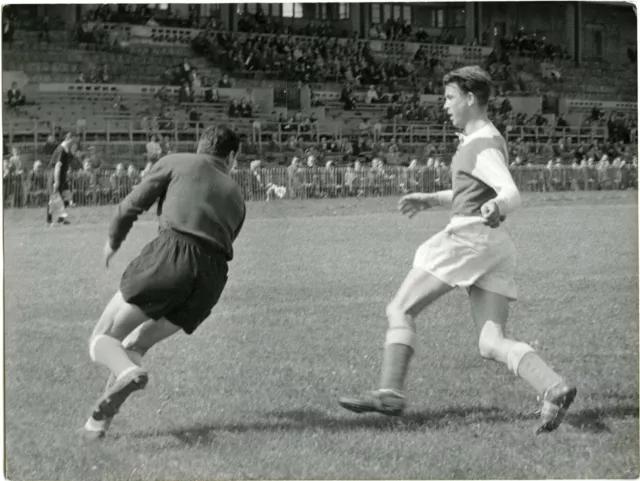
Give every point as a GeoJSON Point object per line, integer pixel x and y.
{"type": "Point", "coordinates": [154, 149]}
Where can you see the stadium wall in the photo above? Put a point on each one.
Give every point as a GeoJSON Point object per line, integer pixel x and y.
{"type": "Point", "coordinates": [588, 29]}
{"type": "Point", "coordinates": [545, 19]}
{"type": "Point", "coordinates": [607, 31]}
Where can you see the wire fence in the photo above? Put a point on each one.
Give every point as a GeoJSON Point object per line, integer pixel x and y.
{"type": "Point", "coordinates": [107, 186]}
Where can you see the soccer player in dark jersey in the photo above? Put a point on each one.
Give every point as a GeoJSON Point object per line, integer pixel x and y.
{"type": "Point", "coordinates": [179, 276]}
{"type": "Point", "coordinates": [60, 193]}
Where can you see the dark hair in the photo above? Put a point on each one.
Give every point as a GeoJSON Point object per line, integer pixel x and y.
{"type": "Point", "coordinates": [471, 79]}
{"type": "Point", "coordinates": [219, 141]}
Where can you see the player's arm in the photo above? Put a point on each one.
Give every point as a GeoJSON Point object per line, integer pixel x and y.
{"type": "Point", "coordinates": [491, 168]}
{"type": "Point", "coordinates": [56, 160]}
{"type": "Point", "coordinates": [411, 204]}
{"type": "Point", "coordinates": [141, 198]}
{"type": "Point", "coordinates": [56, 176]}
{"type": "Point", "coordinates": [443, 198]}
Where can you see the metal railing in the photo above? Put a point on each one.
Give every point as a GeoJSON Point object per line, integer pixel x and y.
{"type": "Point", "coordinates": [104, 187]}
{"type": "Point", "coordinates": [31, 135]}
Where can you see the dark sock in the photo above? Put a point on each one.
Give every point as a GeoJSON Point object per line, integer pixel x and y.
{"type": "Point", "coordinates": [395, 365]}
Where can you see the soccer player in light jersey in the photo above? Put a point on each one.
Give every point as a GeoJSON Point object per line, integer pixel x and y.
{"type": "Point", "coordinates": [473, 251]}
{"type": "Point", "coordinates": [179, 276]}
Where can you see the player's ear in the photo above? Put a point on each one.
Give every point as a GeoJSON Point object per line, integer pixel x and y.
{"type": "Point", "coordinates": [471, 99]}
{"type": "Point", "coordinates": [232, 159]}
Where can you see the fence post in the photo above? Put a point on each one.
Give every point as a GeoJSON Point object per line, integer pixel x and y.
{"type": "Point", "coordinates": [108, 146]}
{"type": "Point", "coordinates": [35, 136]}
{"type": "Point", "coordinates": [131, 138]}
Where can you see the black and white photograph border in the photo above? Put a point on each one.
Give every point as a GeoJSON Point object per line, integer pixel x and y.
{"type": "Point", "coordinates": [357, 232]}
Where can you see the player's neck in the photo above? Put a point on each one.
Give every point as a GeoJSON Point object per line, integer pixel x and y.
{"type": "Point", "coordinates": [220, 163]}
{"type": "Point", "coordinates": [476, 124]}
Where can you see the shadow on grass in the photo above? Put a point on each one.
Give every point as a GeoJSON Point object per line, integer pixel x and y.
{"type": "Point", "coordinates": [593, 420]}
{"type": "Point", "coordinates": [590, 420]}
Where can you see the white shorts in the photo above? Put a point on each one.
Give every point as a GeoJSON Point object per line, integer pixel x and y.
{"type": "Point", "coordinates": [475, 254]}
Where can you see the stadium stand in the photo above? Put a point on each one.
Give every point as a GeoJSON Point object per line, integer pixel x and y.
{"type": "Point", "coordinates": [322, 112]}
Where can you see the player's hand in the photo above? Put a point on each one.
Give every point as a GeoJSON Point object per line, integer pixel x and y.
{"type": "Point", "coordinates": [107, 253]}
{"type": "Point", "coordinates": [491, 212]}
{"type": "Point", "coordinates": [411, 204]}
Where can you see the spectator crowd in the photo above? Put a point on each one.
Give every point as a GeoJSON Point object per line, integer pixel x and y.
{"type": "Point", "coordinates": [305, 178]}
{"type": "Point", "coordinates": [372, 158]}
{"type": "Point", "coordinates": [145, 14]}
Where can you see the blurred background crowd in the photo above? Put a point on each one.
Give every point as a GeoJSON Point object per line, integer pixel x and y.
{"type": "Point", "coordinates": [330, 99]}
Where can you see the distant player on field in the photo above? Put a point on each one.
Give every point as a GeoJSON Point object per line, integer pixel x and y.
{"type": "Point", "coordinates": [473, 251]}
{"type": "Point", "coordinates": [60, 193]}
{"type": "Point", "coordinates": [179, 276]}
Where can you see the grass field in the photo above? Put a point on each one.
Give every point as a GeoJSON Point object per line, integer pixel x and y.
{"type": "Point", "coordinates": [253, 393]}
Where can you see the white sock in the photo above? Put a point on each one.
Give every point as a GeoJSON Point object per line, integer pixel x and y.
{"type": "Point", "coordinates": [93, 425]}
{"type": "Point", "coordinates": [126, 371]}
{"type": "Point", "coordinates": [135, 357]}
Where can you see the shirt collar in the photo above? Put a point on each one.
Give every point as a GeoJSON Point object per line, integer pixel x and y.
{"type": "Point", "coordinates": [481, 132]}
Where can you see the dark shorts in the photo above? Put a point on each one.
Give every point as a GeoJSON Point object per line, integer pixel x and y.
{"type": "Point", "coordinates": [176, 277]}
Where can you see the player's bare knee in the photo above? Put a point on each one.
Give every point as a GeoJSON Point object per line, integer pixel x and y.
{"type": "Point", "coordinates": [489, 340]}
{"type": "Point", "coordinates": [148, 334]}
{"type": "Point", "coordinates": [393, 311]}
{"type": "Point", "coordinates": [398, 316]}
{"type": "Point", "coordinates": [397, 310]}
{"type": "Point", "coordinates": [402, 329]}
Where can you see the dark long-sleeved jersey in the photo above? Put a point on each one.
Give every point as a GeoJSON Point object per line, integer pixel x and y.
{"type": "Point", "coordinates": [64, 158]}
{"type": "Point", "coordinates": [194, 197]}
